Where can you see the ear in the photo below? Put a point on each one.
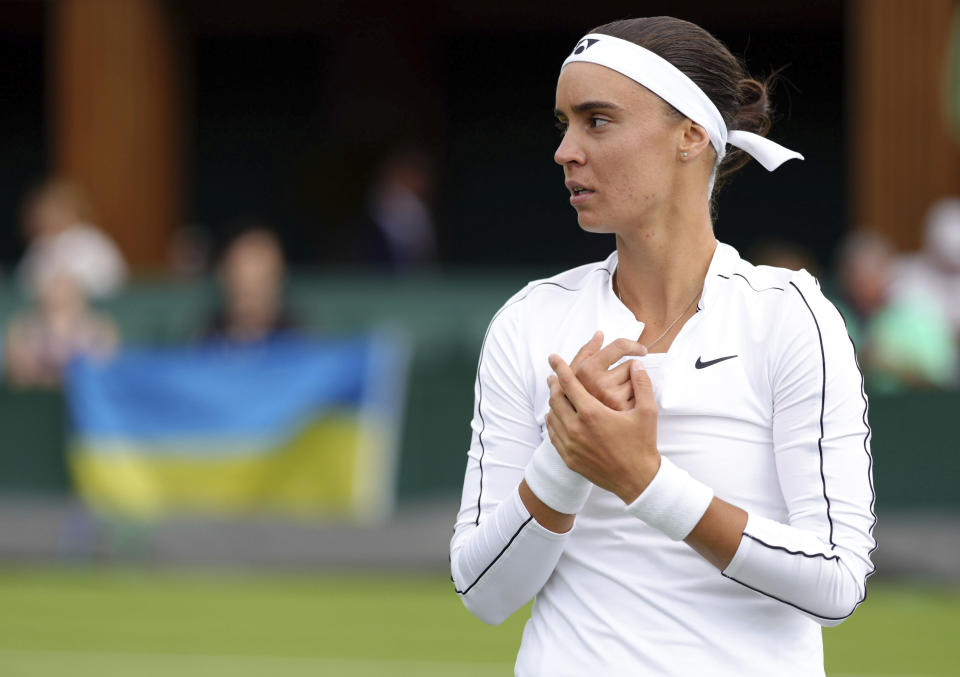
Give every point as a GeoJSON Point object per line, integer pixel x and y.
{"type": "Point", "coordinates": [694, 141]}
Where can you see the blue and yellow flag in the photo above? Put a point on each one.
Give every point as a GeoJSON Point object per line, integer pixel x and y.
{"type": "Point", "coordinates": [291, 426]}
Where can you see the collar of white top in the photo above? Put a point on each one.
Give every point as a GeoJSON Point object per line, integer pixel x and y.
{"type": "Point", "coordinates": [723, 265]}
{"type": "Point", "coordinates": [673, 86]}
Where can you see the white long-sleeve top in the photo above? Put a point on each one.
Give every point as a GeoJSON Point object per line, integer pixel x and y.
{"type": "Point", "coordinates": [779, 429]}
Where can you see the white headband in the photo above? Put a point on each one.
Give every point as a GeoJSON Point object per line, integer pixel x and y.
{"type": "Point", "coordinates": [669, 83]}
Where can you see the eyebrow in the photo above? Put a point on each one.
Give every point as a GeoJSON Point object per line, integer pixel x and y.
{"type": "Point", "coordinates": [587, 106]}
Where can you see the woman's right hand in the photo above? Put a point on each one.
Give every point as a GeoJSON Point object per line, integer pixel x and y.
{"type": "Point", "coordinates": [591, 365]}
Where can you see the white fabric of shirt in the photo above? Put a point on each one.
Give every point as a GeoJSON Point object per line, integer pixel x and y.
{"type": "Point", "coordinates": [779, 430]}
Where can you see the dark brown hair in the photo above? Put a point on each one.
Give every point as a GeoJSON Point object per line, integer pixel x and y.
{"type": "Point", "coordinates": [742, 101]}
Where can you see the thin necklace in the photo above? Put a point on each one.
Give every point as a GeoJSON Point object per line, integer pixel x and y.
{"type": "Point", "coordinates": [667, 330]}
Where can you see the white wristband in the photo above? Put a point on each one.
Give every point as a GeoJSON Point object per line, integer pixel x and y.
{"type": "Point", "coordinates": [554, 483]}
{"type": "Point", "coordinates": [673, 502]}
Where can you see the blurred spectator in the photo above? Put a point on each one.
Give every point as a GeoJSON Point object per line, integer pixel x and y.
{"type": "Point", "coordinates": [935, 270]}
{"type": "Point", "coordinates": [56, 223]}
{"type": "Point", "coordinates": [42, 340]}
{"type": "Point", "coordinates": [903, 341]}
{"type": "Point", "coordinates": [397, 230]}
{"type": "Point", "coordinates": [189, 252]}
{"type": "Point", "coordinates": [252, 276]}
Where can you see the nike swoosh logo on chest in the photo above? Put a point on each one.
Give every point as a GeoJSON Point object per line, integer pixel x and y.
{"type": "Point", "coordinates": [709, 363]}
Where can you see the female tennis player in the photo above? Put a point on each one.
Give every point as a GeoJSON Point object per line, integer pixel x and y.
{"type": "Point", "coordinates": [670, 447]}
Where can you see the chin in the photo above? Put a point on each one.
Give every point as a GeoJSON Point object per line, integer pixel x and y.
{"type": "Point", "coordinates": [591, 224]}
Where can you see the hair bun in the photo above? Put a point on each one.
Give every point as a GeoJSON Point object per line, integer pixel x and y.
{"type": "Point", "coordinates": [754, 113]}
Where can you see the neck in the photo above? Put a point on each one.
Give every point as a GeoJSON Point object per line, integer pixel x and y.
{"type": "Point", "coordinates": [662, 264]}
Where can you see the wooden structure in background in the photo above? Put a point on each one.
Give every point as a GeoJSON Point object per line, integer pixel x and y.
{"type": "Point", "coordinates": [116, 117]}
{"type": "Point", "coordinates": [116, 114]}
{"type": "Point", "coordinates": [902, 156]}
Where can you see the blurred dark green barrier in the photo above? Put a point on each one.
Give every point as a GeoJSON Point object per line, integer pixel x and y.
{"type": "Point", "coordinates": [916, 461]}
{"type": "Point", "coordinates": [444, 318]}
{"type": "Point", "coordinates": [32, 442]}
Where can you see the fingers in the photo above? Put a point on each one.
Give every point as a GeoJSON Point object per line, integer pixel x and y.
{"type": "Point", "coordinates": [559, 404]}
{"type": "Point", "coordinates": [588, 349]}
{"type": "Point", "coordinates": [581, 400]}
{"type": "Point", "coordinates": [613, 388]}
{"type": "Point", "coordinates": [619, 374]}
{"type": "Point", "coordinates": [640, 381]}
{"type": "Point", "coordinates": [619, 349]}
{"type": "Point", "coordinates": [560, 411]}
{"type": "Point", "coordinates": [556, 431]}
{"type": "Point", "coordinates": [621, 398]}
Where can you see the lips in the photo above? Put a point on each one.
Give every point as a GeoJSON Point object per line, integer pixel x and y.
{"type": "Point", "coordinates": [579, 193]}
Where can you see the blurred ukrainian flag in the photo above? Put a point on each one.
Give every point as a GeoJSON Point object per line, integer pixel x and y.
{"type": "Point", "coordinates": [296, 426]}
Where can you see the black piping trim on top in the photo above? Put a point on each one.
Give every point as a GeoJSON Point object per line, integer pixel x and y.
{"type": "Point", "coordinates": [791, 552]}
{"type": "Point", "coordinates": [499, 555]}
{"type": "Point", "coordinates": [873, 493]}
{"type": "Point", "coordinates": [483, 423]}
{"type": "Point", "coordinates": [866, 449]}
{"type": "Point", "coordinates": [750, 284]}
{"type": "Point", "coordinates": [806, 611]}
{"type": "Point", "coordinates": [868, 436]}
{"type": "Point", "coordinates": [823, 400]}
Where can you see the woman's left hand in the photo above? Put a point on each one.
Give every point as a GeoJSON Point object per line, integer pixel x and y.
{"type": "Point", "coordinates": [616, 450]}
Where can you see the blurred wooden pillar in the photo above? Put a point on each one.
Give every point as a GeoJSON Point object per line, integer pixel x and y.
{"type": "Point", "coordinates": [116, 116]}
{"type": "Point", "coordinates": [902, 156]}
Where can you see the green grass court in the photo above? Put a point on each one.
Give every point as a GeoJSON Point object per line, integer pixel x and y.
{"type": "Point", "coordinates": [110, 623]}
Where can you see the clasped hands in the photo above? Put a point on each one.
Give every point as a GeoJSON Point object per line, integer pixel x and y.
{"type": "Point", "coordinates": [602, 421]}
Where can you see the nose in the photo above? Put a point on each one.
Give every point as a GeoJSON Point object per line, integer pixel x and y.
{"type": "Point", "coordinates": [570, 150]}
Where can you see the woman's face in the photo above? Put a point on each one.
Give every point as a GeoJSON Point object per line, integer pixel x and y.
{"type": "Point", "coordinates": [620, 147]}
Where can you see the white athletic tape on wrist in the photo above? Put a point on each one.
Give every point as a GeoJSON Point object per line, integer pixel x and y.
{"type": "Point", "coordinates": [554, 483]}
{"type": "Point", "coordinates": [673, 86]}
{"type": "Point", "coordinates": [673, 502]}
